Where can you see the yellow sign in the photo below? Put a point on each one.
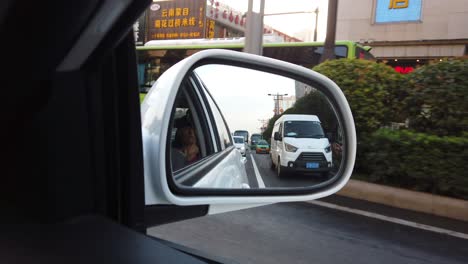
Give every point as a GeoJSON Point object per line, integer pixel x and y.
{"type": "Point", "coordinates": [177, 19]}
{"type": "Point", "coordinates": [210, 31]}
{"type": "Point", "coordinates": [397, 4]}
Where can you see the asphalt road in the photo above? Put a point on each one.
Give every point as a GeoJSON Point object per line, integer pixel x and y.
{"type": "Point", "coordinates": [269, 177]}
{"type": "Point", "coordinates": [309, 233]}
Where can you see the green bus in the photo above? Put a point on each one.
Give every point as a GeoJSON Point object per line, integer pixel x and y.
{"type": "Point", "coordinates": [155, 57]}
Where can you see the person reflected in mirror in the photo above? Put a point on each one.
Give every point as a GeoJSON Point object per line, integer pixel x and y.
{"type": "Point", "coordinates": [185, 149]}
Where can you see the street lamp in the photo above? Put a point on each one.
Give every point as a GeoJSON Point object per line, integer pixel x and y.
{"type": "Point", "coordinates": [277, 97]}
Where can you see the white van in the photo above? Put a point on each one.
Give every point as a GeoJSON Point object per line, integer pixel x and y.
{"type": "Point", "coordinates": [298, 144]}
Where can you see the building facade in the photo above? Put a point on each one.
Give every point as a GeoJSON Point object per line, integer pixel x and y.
{"type": "Point", "coordinates": [195, 19]}
{"type": "Point", "coordinates": [405, 33]}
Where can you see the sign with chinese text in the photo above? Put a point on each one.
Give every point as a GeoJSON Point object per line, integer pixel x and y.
{"type": "Point", "coordinates": [391, 11]}
{"type": "Point", "coordinates": [210, 28]}
{"type": "Point", "coordinates": [404, 69]}
{"type": "Point", "coordinates": [178, 19]}
{"type": "Point", "coordinates": [226, 15]}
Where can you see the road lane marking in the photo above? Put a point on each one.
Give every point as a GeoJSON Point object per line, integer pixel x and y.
{"type": "Point", "coordinates": [391, 219]}
{"type": "Point", "coordinates": [261, 184]}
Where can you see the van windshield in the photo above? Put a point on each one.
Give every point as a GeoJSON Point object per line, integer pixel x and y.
{"type": "Point", "coordinates": [242, 133]}
{"type": "Point", "coordinates": [255, 137]}
{"type": "Point", "coordinates": [303, 129]}
{"type": "Point", "coordinates": [238, 140]}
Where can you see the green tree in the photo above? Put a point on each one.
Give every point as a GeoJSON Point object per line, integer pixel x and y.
{"type": "Point", "coordinates": [374, 91]}
{"type": "Point", "coordinates": [438, 100]}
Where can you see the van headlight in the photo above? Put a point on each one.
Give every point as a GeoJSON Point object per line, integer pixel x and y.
{"type": "Point", "coordinates": [289, 147]}
{"type": "Point", "coordinates": [327, 149]}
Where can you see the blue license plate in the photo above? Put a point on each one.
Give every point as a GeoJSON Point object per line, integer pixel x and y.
{"type": "Point", "coordinates": [312, 165]}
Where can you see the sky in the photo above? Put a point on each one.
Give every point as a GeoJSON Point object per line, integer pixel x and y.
{"type": "Point", "coordinates": [295, 25]}
{"type": "Point", "coordinates": [242, 94]}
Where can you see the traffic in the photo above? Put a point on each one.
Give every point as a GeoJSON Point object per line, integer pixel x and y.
{"type": "Point", "coordinates": [260, 174]}
{"type": "Point", "coordinates": [299, 154]}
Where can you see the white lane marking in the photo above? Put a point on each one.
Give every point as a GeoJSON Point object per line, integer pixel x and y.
{"type": "Point", "coordinates": [261, 184]}
{"type": "Point", "coordinates": [392, 219]}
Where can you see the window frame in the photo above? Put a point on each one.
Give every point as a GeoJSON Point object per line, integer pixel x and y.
{"type": "Point", "coordinates": [202, 125]}
{"type": "Point", "coordinates": [180, 181]}
{"type": "Point", "coordinates": [215, 123]}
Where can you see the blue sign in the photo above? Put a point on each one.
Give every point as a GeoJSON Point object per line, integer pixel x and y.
{"type": "Point", "coordinates": [390, 11]}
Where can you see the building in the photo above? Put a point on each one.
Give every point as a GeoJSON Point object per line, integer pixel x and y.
{"type": "Point", "coordinates": [406, 33]}
{"type": "Point", "coordinates": [302, 89]}
{"type": "Point", "coordinates": [287, 102]}
{"type": "Point", "coordinates": [195, 19]}
{"type": "Point", "coordinates": [225, 22]}
{"type": "Point", "coordinates": [282, 102]}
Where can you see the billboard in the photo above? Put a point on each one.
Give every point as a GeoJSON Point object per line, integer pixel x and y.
{"type": "Point", "coordinates": [394, 11]}
{"type": "Point", "coordinates": [177, 19]}
{"type": "Point", "coordinates": [210, 28]}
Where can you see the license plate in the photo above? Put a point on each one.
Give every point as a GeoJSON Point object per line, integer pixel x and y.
{"type": "Point", "coordinates": [312, 165]}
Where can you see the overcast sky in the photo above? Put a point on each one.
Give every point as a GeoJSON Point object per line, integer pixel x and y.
{"type": "Point", "coordinates": [242, 94]}
{"type": "Point", "coordinates": [292, 24]}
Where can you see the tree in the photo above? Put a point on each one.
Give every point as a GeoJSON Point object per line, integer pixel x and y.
{"type": "Point", "coordinates": [438, 101]}
{"type": "Point", "coordinates": [329, 46]}
{"type": "Point", "coordinates": [373, 90]}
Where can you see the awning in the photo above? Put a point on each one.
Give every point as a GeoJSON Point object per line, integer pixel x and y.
{"type": "Point", "coordinates": [418, 51]}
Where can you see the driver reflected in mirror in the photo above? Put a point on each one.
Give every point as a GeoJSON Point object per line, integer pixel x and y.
{"type": "Point", "coordinates": [187, 144]}
{"type": "Point", "coordinates": [184, 148]}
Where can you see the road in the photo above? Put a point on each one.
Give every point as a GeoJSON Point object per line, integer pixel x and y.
{"type": "Point", "coordinates": [310, 233]}
{"type": "Point", "coordinates": [259, 165]}
{"type": "Point", "coordinates": [333, 230]}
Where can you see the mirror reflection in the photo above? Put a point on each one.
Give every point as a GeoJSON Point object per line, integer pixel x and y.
{"type": "Point", "coordinates": [234, 127]}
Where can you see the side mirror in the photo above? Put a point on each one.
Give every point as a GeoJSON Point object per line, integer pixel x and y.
{"type": "Point", "coordinates": [196, 90]}
{"type": "Point", "coordinates": [277, 136]}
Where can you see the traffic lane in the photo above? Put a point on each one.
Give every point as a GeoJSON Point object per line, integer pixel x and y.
{"type": "Point", "coordinates": [307, 233]}
{"type": "Point", "coordinates": [271, 179]}
{"type": "Point", "coordinates": [253, 183]}
{"type": "Point", "coordinates": [399, 213]}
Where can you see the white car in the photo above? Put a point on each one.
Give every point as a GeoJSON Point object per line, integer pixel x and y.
{"type": "Point", "coordinates": [239, 142]}
{"type": "Point", "coordinates": [298, 144]}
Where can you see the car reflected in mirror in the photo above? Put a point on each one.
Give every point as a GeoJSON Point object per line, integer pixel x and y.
{"type": "Point", "coordinates": [299, 138]}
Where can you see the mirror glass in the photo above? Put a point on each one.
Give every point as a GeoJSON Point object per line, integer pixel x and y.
{"type": "Point", "coordinates": [235, 127]}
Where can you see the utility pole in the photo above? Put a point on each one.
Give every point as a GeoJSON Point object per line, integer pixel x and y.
{"type": "Point", "coordinates": [316, 23]}
{"type": "Point", "coordinates": [329, 46]}
{"type": "Point", "coordinates": [277, 98]}
{"type": "Point", "coordinates": [254, 29]}
{"type": "Point", "coordinates": [264, 124]}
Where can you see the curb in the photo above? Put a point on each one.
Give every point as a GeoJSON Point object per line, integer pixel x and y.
{"type": "Point", "coordinates": [405, 199]}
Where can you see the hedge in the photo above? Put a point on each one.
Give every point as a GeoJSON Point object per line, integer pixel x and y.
{"type": "Point", "coordinates": [418, 161]}
{"type": "Point", "coordinates": [438, 100]}
{"type": "Point", "coordinates": [375, 91]}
